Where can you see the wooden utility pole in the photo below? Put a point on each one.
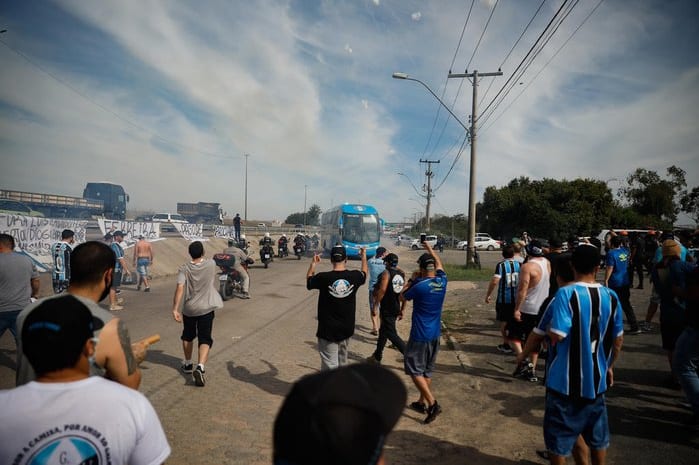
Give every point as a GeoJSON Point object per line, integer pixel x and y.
{"type": "Point", "coordinates": [473, 77]}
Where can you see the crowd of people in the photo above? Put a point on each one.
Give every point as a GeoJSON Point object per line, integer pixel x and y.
{"type": "Point", "coordinates": [547, 300]}
{"type": "Point", "coordinates": [551, 302]}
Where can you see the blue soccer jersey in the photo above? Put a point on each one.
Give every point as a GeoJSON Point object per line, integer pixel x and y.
{"type": "Point", "coordinates": [428, 296]}
{"type": "Point", "coordinates": [61, 261]}
{"type": "Point", "coordinates": [508, 272]}
{"type": "Point", "coordinates": [589, 318]}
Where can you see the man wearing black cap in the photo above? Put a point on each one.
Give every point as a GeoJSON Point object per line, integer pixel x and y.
{"type": "Point", "coordinates": [427, 289]}
{"type": "Point", "coordinates": [337, 305]}
{"type": "Point", "coordinates": [532, 290]}
{"type": "Point", "coordinates": [339, 417]}
{"type": "Point", "coordinates": [61, 261]}
{"type": "Point", "coordinates": [386, 295]}
{"type": "Point", "coordinates": [67, 416]}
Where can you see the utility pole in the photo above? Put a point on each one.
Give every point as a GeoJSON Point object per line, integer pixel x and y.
{"type": "Point", "coordinates": [246, 187]}
{"type": "Point", "coordinates": [473, 77]}
{"type": "Point", "coordinates": [429, 175]}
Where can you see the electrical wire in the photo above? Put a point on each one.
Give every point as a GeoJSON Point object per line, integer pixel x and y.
{"type": "Point", "coordinates": [483, 118]}
{"type": "Point", "coordinates": [544, 67]}
{"type": "Point", "coordinates": [482, 33]}
{"type": "Point", "coordinates": [531, 20]}
{"type": "Point", "coordinates": [109, 110]}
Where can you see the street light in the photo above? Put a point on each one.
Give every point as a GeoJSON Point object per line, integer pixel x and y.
{"type": "Point", "coordinates": [472, 180]}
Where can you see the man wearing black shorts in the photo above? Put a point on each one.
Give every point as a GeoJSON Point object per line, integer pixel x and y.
{"type": "Point", "coordinates": [506, 278]}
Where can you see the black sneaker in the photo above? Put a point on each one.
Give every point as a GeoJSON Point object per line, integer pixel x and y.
{"type": "Point", "coordinates": [504, 348]}
{"type": "Point", "coordinates": [187, 367]}
{"type": "Point", "coordinates": [432, 412]}
{"type": "Point", "coordinates": [418, 406]}
{"type": "Point", "coordinates": [522, 370]}
{"type": "Point", "coordinates": [198, 376]}
{"type": "Point", "coordinates": [634, 331]}
{"type": "Point", "coordinates": [531, 375]}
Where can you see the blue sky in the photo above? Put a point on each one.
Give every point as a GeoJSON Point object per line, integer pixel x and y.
{"type": "Point", "coordinates": [165, 98]}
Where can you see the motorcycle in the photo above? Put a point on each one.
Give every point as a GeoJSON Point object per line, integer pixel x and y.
{"type": "Point", "coordinates": [230, 281]}
{"type": "Point", "coordinates": [266, 254]}
{"type": "Point", "coordinates": [283, 250]}
{"type": "Point", "coordinates": [299, 249]}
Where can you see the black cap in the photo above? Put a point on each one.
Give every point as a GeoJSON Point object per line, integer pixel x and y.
{"type": "Point", "coordinates": [391, 260]}
{"type": "Point", "coordinates": [426, 261]}
{"type": "Point", "coordinates": [535, 248]}
{"type": "Point", "coordinates": [338, 253]}
{"type": "Point", "coordinates": [55, 331]}
{"type": "Point", "coordinates": [339, 416]}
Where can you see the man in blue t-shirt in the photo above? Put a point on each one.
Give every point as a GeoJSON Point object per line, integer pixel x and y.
{"type": "Point", "coordinates": [586, 329]}
{"type": "Point", "coordinates": [617, 279]}
{"type": "Point", "coordinates": [427, 289]}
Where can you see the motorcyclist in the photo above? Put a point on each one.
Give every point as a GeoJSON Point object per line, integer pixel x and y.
{"type": "Point", "coordinates": [267, 241]}
{"type": "Point", "coordinates": [240, 258]}
{"type": "Point", "coordinates": [283, 245]}
{"type": "Point", "coordinates": [243, 243]}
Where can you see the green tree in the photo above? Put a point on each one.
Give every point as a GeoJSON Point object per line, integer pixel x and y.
{"type": "Point", "coordinates": [690, 204]}
{"type": "Point", "coordinates": [653, 197]}
{"type": "Point", "coordinates": [311, 217]}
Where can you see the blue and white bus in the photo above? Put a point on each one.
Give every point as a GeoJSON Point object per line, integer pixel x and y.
{"type": "Point", "coordinates": [353, 226]}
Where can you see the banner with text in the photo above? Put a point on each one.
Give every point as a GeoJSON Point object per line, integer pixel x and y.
{"type": "Point", "coordinates": [131, 230]}
{"type": "Point", "coordinates": [191, 232]}
{"type": "Point", "coordinates": [224, 231]}
{"type": "Point", "coordinates": [34, 235]}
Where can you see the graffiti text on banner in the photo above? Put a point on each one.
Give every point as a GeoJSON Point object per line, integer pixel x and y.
{"type": "Point", "coordinates": [224, 231]}
{"type": "Point", "coordinates": [191, 232]}
{"type": "Point", "coordinates": [35, 235]}
{"type": "Point", "coordinates": [131, 229]}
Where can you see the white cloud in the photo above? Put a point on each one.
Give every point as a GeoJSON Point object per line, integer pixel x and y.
{"type": "Point", "coordinates": [416, 16]}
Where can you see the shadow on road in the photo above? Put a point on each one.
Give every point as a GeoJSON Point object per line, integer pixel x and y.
{"type": "Point", "coordinates": [267, 380]}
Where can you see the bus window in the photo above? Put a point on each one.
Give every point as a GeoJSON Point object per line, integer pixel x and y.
{"type": "Point", "coordinates": [360, 228]}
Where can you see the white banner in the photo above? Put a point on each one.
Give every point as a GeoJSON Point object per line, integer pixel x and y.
{"type": "Point", "coordinates": [131, 230]}
{"type": "Point", "coordinates": [34, 235]}
{"type": "Point", "coordinates": [224, 231]}
{"type": "Point", "coordinates": [191, 232]}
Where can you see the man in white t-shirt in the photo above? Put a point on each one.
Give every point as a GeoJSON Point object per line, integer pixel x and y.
{"type": "Point", "coordinates": [67, 416]}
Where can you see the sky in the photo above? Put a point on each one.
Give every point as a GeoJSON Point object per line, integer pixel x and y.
{"type": "Point", "coordinates": [168, 97]}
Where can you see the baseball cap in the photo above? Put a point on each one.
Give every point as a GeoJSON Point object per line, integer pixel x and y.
{"type": "Point", "coordinates": [671, 248]}
{"type": "Point", "coordinates": [338, 253]}
{"type": "Point", "coordinates": [535, 248]}
{"type": "Point", "coordinates": [380, 251]}
{"type": "Point", "coordinates": [55, 331]}
{"type": "Point", "coordinates": [340, 416]}
{"type": "Point", "coordinates": [391, 259]}
{"type": "Point", "coordinates": [426, 261]}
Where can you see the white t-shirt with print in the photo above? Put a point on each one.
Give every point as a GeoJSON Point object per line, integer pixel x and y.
{"type": "Point", "coordinates": [88, 421]}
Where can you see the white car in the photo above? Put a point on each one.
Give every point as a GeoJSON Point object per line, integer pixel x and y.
{"type": "Point", "coordinates": [482, 243]}
{"type": "Point", "coordinates": [168, 218]}
{"type": "Point", "coordinates": [415, 244]}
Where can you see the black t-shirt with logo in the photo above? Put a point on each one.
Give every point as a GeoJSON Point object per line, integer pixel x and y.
{"type": "Point", "coordinates": [336, 302]}
{"type": "Point", "coordinates": [390, 304]}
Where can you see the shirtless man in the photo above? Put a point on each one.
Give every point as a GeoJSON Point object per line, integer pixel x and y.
{"type": "Point", "coordinates": [532, 291]}
{"type": "Point", "coordinates": [142, 259]}
{"type": "Point", "coordinates": [91, 276]}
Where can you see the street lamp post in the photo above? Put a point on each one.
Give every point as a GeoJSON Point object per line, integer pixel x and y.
{"type": "Point", "coordinates": [471, 132]}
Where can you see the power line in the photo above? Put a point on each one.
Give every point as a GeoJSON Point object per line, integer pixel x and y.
{"type": "Point", "coordinates": [482, 34]}
{"type": "Point", "coordinates": [530, 60]}
{"type": "Point", "coordinates": [492, 81]}
{"type": "Point", "coordinates": [545, 65]}
{"type": "Point", "coordinates": [107, 109]}
{"type": "Point", "coordinates": [527, 55]}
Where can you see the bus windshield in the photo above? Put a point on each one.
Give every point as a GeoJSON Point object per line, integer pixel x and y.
{"type": "Point", "coordinates": [360, 229]}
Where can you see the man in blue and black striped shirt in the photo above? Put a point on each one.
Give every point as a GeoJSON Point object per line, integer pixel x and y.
{"type": "Point", "coordinates": [506, 278]}
{"type": "Point", "coordinates": [585, 323]}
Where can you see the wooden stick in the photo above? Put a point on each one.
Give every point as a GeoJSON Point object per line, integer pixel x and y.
{"type": "Point", "coordinates": [151, 339]}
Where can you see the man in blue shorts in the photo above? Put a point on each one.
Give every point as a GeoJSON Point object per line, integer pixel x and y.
{"type": "Point", "coordinates": [427, 289]}
{"type": "Point", "coordinates": [586, 328]}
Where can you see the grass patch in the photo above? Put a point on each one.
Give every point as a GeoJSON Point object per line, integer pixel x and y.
{"type": "Point", "coordinates": [461, 273]}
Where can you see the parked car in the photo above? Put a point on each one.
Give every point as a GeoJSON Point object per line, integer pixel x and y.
{"type": "Point", "coordinates": [168, 218]}
{"type": "Point", "coordinates": [415, 244]}
{"type": "Point", "coordinates": [482, 243]}
{"type": "Point", "coordinates": [13, 207]}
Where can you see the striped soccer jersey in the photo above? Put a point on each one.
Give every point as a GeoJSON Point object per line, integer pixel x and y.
{"type": "Point", "coordinates": [508, 272]}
